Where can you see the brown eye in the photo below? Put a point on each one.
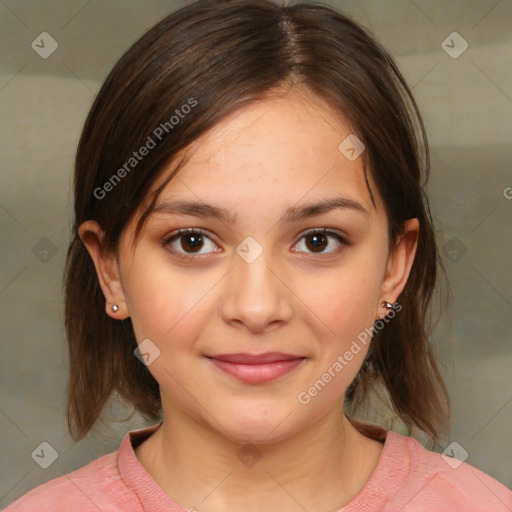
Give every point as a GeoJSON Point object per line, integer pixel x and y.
{"type": "Point", "coordinates": [189, 241]}
{"type": "Point", "coordinates": [317, 240]}
{"type": "Point", "coordinates": [192, 241]}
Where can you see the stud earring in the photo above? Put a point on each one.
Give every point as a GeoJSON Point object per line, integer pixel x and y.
{"type": "Point", "coordinates": [115, 307]}
{"type": "Point", "coordinates": [387, 304]}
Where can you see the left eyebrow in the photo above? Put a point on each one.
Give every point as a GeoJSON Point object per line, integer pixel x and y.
{"type": "Point", "coordinates": [292, 214]}
{"type": "Point", "coordinates": [296, 214]}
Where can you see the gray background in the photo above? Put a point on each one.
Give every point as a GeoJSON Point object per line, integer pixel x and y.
{"type": "Point", "coordinates": [466, 103]}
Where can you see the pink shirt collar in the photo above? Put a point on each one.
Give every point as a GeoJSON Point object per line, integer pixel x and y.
{"type": "Point", "coordinates": [373, 496]}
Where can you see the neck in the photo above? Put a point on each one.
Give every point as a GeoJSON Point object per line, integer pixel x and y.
{"type": "Point", "coordinates": [320, 468]}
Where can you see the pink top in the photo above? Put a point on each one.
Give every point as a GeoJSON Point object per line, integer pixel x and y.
{"type": "Point", "coordinates": [408, 477]}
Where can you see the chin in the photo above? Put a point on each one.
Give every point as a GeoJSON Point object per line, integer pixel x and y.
{"type": "Point", "coordinates": [264, 428]}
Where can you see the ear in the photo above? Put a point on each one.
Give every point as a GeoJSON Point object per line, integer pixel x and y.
{"type": "Point", "coordinates": [399, 264]}
{"type": "Point", "coordinates": [107, 269]}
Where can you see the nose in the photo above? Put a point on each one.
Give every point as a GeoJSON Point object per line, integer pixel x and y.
{"type": "Point", "coordinates": [256, 295]}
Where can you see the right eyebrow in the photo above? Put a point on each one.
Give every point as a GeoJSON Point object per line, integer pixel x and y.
{"type": "Point", "coordinates": [196, 209]}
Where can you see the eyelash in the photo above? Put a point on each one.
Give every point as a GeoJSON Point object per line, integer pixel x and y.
{"type": "Point", "coordinates": [198, 231]}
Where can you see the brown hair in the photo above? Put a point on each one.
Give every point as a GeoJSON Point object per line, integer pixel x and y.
{"type": "Point", "coordinates": [218, 56]}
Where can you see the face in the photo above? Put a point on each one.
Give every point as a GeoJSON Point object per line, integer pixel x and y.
{"type": "Point", "coordinates": [266, 279]}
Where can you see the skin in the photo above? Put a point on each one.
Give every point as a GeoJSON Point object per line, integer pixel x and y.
{"type": "Point", "coordinates": [271, 155]}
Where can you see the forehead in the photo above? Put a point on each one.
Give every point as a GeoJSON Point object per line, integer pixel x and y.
{"type": "Point", "coordinates": [275, 152]}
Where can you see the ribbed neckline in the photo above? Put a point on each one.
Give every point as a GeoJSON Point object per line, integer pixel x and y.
{"type": "Point", "coordinates": [390, 473]}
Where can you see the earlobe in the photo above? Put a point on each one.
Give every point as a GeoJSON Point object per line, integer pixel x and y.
{"type": "Point", "coordinates": [107, 269]}
{"type": "Point", "coordinates": [400, 262]}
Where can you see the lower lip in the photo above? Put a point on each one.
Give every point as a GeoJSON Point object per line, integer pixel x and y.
{"type": "Point", "coordinates": [257, 373]}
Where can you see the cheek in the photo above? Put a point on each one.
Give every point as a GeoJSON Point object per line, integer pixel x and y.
{"type": "Point", "coordinates": [346, 301]}
{"type": "Point", "coordinates": [169, 308]}
{"type": "Point", "coordinates": [344, 306]}
{"type": "Point", "coordinates": [163, 301]}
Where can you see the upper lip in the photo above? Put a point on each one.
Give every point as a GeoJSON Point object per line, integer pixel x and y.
{"type": "Point", "coordinates": [267, 357]}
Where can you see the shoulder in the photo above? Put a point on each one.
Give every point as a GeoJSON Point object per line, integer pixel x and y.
{"type": "Point", "coordinates": [433, 481]}
{"type": "Point", "coordinates": [96, 486]}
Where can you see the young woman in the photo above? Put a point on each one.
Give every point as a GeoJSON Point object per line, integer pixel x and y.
{"type": "Point", "coordinates": [253, 252]}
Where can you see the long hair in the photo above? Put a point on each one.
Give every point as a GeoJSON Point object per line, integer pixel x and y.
{"type": "Point", "coordinates": [182, 77]}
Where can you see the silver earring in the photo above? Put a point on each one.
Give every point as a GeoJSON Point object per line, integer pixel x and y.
{"type": "Point", "coordinates": [115, 307]}
{"type": "Point", "coordinates": [387, 304]}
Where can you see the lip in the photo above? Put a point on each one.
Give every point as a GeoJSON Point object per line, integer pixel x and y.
{"type": "Point", "coordinates": [256, 368]}
{"type": "Point", "coordinates": [266, 357]}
